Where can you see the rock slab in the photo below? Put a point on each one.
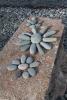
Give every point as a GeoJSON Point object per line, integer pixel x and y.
{"type": "Point", "coordinates": [33, 88]}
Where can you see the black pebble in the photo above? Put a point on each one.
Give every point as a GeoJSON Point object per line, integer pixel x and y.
{"type": "Point", "coordinates": [18, 74]}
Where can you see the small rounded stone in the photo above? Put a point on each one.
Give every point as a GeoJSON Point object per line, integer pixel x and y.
{"type": "Point", "coordinates": [18, 74]}
{"type": "Point", "coordinates": [29, 60]}
{"type": "Point", "coordinates": [23, 66]}
{"type": "Point", "coordinates": [33, 48]}
{"type": "Point", "coordinates": [31, 71]}
{"type": "Point", "coordinates": [16, 62]}
{"type": "Point", "coordinates": [23, 59]}
{"type": "Point", "coordinates": [11, 67]}
{"type": "Point", "coordinates": [36, 38]}
{"type": "Point", "coordinates": [34, 64]}
{"type": "Point", "coordinates": [25, 75]}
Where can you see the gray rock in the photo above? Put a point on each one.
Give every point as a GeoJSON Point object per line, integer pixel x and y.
{"type": "Point", "coordinates": [43, 29]}
{"type": "Point", "coordinates": [11, 67]}
{"type": "Point", "coordinates": [16, 62]}
{"type": "Point", "coordinates": [34, 64]}
{"type": "Point", "coordinates": [23, 66]}
{"type": "Point", "coordinates": [36, 38]}
{"type": "Point", "coordinates": [49, 33]}
{"type": "Point", "coordinates": [25, 47]}
{"type": "Point", "coordinates": [40, 50]}
{"type": "Point", "coordinates": [45, 45]}
{"type": "Point", "coordinates": [33, 29]}
{"type": "Point", "coordinates": [29, 60]}
{"type": "Point", "coordinates": [23, 59]}
{"type": "Point", "coordinates": [33, 48]}
{"type": "Point", "coordinates": [24, 42]}
{"type": "Point", "coordinates": [49, 39]}
{"type": "Point", "coordinates": [31, 71]}
{"type": "Point", "coordinates": [23, 37]}
{"type": "Point", "coordinates": [25, 75]}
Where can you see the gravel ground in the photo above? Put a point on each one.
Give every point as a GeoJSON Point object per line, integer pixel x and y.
{"type": "Point", "coordinates": [10, 18]}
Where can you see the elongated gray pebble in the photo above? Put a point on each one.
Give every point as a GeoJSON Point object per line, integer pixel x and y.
{"type": "Point", "coordinates": [34, 64]}
{"type": "Point", "coordinates": [33, 28]}
{"type": "Point", "coordinates": [49, 33]}
{"type": "Point", "coordinates": [25, 75]}
{"type": "Point", "coordinates": [49, 39]}
{"type": "Point", "coordinates": [16, 62]}
{"type": "Point", "coordinates": [23, 37]}
{"type": "Point", "coordinates": [11, 67]}
{"type": "Point", "coordinates": [25, 42]}
{"type": "Point", "coordinates": [32, 72]}
{"type": "Point", "coordinates": [43, 29]}
{"type": "Point", "coordinates": [40, 49]}
{"type": "Point", "coordinates": [23, 59]}
{"type": "Point", "coordinates": [23, 66]}
{"type": "Point", "coordinates": [25, 47]}
{"type": "Point", "coordinates": [29, 60]}
{"type": "Point", "coordinates": [33, 48]}
{"type": "Point", "coordinates": [45, 45]}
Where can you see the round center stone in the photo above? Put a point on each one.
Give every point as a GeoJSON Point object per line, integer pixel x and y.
{"type": "Point", "coordinates": [36, 38]}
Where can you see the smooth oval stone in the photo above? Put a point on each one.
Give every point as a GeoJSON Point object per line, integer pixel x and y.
{"type": "Point", "coordinates": [24, 42]}
{"type": "Point", "coordinates": [29, 60]}
{"type": "Point", "coordinates": [18, 74]}
{"type": "Point", "coordinates": [23, 59]}
{"type": "Point", "coordinates": [25, 75]}
{"type": "Point", "coordinates": [23, 37]}
{"type": "Point", "coordinates": [40, 49]}
{"type": "Point", "coordinates": [49, 33]}
{"type": "Point", "coordinates": [25, 47]}
{"type": "Point", "coordinates": [31, 71]}
{"type": "Point", "coordinates": [34, 64]}
{"type": "Point", "coordinates": [33, 29]}
{"type": "Point", "coordinates": [12, 67]}
{"type": "Point", "coordinates": [33, 48]}
{"type": "Point", "coordinates": [45, 45]}
{"type": "Point", "coordinates": [49, 39]}
{"type": "Point", "coordinates": [36, 38]}
{"type": "Point", "coordinates": [43, 29]}
{"type": "Point", "coordinates": [16, 62]}
{"type": "Point", "coordinates": [23, 66]}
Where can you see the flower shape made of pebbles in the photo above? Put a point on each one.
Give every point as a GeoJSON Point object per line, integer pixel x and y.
{"type": "Point", "coordinates": [36, 41]}
{"type": "Point", "coordinates": [26, 66]}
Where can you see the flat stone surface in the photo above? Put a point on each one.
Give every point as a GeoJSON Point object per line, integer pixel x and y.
{"type": "Point", "coordinates": [33, 88]}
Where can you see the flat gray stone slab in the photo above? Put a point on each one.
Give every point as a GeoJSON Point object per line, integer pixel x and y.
{"type": "Point", "coordinates": [33, 88]}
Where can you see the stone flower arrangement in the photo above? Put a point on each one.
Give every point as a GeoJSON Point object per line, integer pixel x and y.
{"type": "Point", "coordinates": [25, 66]}
{"type": "Point", "coordinates": [37, 41]}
